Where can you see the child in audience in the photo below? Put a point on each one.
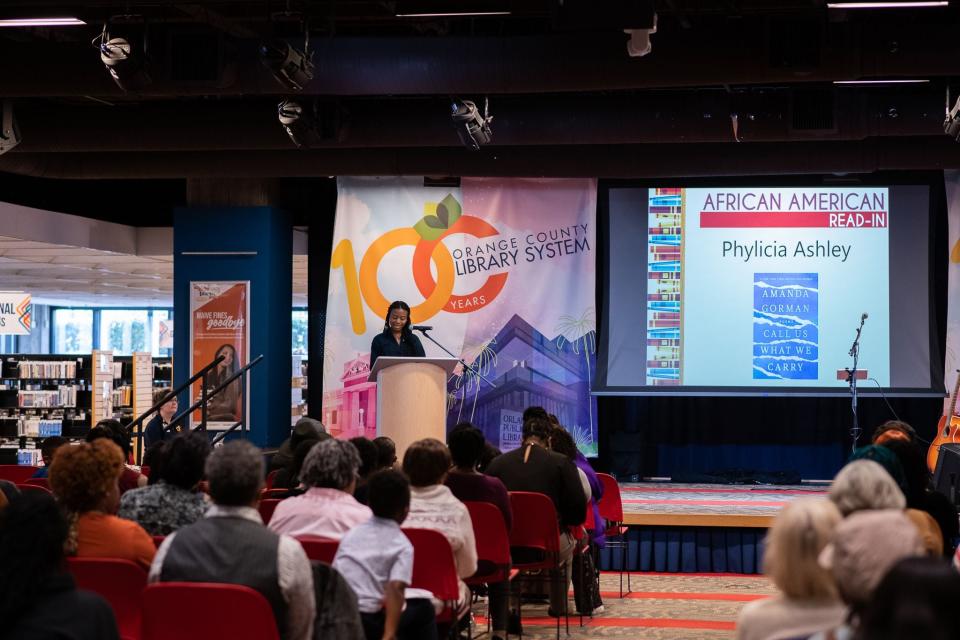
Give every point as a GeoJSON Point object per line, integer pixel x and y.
{"type": "Point", "coordinates": [376, 560]}
{"type": "Point", "coordinates": [47, 449]}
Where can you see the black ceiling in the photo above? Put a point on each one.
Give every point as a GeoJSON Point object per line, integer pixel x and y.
{"type": "Point", "coordinates": [566, 97]}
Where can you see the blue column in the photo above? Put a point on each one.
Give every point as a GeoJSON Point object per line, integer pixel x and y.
{"type": "Point", "coordinates": [260, 239]}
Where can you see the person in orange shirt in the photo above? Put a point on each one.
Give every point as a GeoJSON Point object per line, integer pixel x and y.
{"type": "Point", "coordinates": [84, 479]}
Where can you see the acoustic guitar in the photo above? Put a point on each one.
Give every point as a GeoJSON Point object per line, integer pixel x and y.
{"type": "Point", "coordinates": [947, 430]}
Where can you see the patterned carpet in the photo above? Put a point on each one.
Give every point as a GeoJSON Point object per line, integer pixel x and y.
{"type": "Point", "coordinates": [660, 607]}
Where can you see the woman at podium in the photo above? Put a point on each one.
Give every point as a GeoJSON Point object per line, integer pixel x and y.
{"type": "Point", "coordinates": [396, 338]}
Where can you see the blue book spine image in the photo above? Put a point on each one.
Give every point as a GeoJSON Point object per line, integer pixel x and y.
{"type": "Point", "coordinates": [786, 335]}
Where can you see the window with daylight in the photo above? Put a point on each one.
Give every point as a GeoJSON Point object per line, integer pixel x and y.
{"type": "Point", "coordinates": [72, 330]}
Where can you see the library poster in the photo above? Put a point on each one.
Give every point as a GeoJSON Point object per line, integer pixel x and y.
{"type": "Point", "coordinates": [15, 313]}
{"type": "Point", "coordinates": [504, 271]}
{"type": "Point", "coordinates": [219, 326]}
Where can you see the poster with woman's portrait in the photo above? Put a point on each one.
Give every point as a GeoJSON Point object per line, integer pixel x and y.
{"type": "Point", "coordinates": [219, 326]}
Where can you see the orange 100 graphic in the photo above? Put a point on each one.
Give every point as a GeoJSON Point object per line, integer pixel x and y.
{"type": "Point", "coordinates": [441, 220]}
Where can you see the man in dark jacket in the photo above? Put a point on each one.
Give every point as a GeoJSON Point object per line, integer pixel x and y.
{"type": "Point", "coordinates": [535, 468]}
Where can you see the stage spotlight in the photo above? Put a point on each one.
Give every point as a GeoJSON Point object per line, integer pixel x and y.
{"type": "Point", "coordinates": [302, 125]}
{"type": "Point", "coordinates": [126, 65]}
{"type": "Point", "coordinates": [9, 131]}
{"type": "Point", "coordinates": [473, 129]}
{"type": "Point", "coordinates": [951, 123]}
{"type": "Point", "coordinates": [639, 44]}
{"type": "Point", "coordinates": [291, 67]}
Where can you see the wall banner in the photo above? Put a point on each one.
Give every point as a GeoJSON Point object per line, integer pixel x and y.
{"type": "Point", "coordinates": [16, 313]}
{"type": "Point", "coordinates": [951, 181]}
{"type": "Point", "coordinates": [219, 324]}
{"type": "Point", "coordinates": [504, 270]}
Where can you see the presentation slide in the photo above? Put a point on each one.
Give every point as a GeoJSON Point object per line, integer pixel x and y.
{"type": "Point", "coordinates": [762, 289]}
{"type": "Point", "coordinates": [766, 285]}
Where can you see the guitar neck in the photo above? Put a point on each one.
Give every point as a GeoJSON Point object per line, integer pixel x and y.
{"type": "Point", "coordinates": [953, 405]}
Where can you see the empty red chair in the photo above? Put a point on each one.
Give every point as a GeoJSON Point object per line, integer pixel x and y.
{"type": "Point", "coordinates": [120, 582]}
{"type": "Point", "coordinates": [26, 488]}
{"type": "Point", "coordinates": [205, 611]}
{"type": "Point", "coordinates": [266, 508]}
{"type": "Point", "coordinates": [16, 473]}
{"type": "Point", "coordinates": [535, 528]}
{"type": "Point", "coordinates": [611, 510]}
{"type": "Point", "coordinates": [320, 549]}
{"type": "Point", "coordinates": [434, 570]}
{"type": "Point", "coordinates": [270, 478]}
{"type": "Point", "coordinates": [40, 482]}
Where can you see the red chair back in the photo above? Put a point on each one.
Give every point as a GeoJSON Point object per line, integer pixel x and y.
{"type": "Point", "coordinates": [266, 508]}
{"type": "Point", "coordinates": [433, 567]}
{"type": "Point", "coordinates": [534, 522]}
{"type": "Point", "coordinates": [145, 470]}
{"type": "Point", "coordinates": [493, 543]}
{"type": "Point", "coordinates": [270, 478]}
{"type": "Point", "coordinates": [321, 549]}
{"type": "Point", "coordinates": [40, 482]}
{"type": "Point", "coordinates": [611, 504]}
{"type": "Point", "coordinates": [203, 611]}
{"type": "Point", "coordinates": [158, 540]}
{"type": "Point", "coordinates": [278, 494]}
{"type": "Point", "coordinates": [26, 488]}
{"type": "Point", "coordinates": [120, 582]}
{"type": "Point", "coordinates": [16, 473]}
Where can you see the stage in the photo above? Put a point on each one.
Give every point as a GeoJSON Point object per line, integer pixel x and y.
{"type": "Point", "coordinates": [704, 528]}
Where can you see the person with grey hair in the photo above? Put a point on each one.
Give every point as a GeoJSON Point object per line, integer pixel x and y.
{"type": "Point", "coordinates": [863, 485]}
{"type": "Point", "coordinates": [328, 508]}
{"type": "Point", "coordinates": [230, 544]}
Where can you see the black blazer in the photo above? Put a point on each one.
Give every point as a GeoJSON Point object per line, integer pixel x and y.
{"type": "Point", "coordinates": [385, 345]}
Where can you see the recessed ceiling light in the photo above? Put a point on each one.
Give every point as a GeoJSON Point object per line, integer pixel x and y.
{"type": "Point", "coordinates": [886, 5]}
{"type": "Point", "coordinates": [42, 22]}
{"type": "Point", "coordinates": [888, 81]}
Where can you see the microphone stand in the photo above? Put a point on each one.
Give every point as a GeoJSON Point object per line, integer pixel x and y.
{"type": "Point", "coordinates": [459, 359]}
{"type": "Point", "coordinates": [852, 379]}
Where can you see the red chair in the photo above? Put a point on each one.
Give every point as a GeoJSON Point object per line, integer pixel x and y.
{"type": "Point", "coordinates": [278, 494]}
{"type": "Point", "coordinates": [16, 473]}
{"type": "Point", "coordinates": [120, 582]}
{"type": "Point", "coordinates": [270, 478]}
{"type": "Point", "coordinates": [320, 549]}
{"type": "Point", "coordinates": [40, 482]}
{"type": "Point", "coordinates": [493, 547]}
{"type": "Point", "coordinates": [535, 529]}
{"type": "Point", "coordinates": [145, 470]}
{"type": "Point", "coordinates": [158, 540]}
{"type": "Point", "coordinates": [26, 488]}
{"type": "Point", "coordinates": [611, 510]}
{"type": "Point", "coordinates": [434, 570]}
{"type": "Point", "coordinates": [266, 508]}
{"type": "Point", "coordinates": [203, 611]}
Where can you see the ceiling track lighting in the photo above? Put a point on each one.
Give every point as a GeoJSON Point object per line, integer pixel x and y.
{"type": "Point", "coordinates": [126, 65]}
{"type": "Point", "coordinates": [9, 131]}
{"type": "Point", "coordinates": [292, 67]}
{"type": "Point", "coordinates": [951, 121]}
{"type": "Point", "coordinates": [474, 129]}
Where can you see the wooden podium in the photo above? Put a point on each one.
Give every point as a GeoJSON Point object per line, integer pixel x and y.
{"type": "Point", "coordinates": [411, 398]}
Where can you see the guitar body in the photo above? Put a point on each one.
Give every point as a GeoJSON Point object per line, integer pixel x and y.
{"type": "Point", "coordinates": [948, 432]}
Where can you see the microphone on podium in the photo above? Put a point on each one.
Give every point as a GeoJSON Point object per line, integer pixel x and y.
{"type": "Point", "coordinates": [421, 327]}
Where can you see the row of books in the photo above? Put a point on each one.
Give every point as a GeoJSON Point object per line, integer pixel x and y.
{"type": "Point", "coordinates": [40, 427]}
{"type": "Point", "coordinates": [60, 370]}
{"type": "Point", "coordinates": [64, 396]}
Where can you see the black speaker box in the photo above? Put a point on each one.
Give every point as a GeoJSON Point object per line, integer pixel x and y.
{"type": "Point", "coordinates": [946, 478]}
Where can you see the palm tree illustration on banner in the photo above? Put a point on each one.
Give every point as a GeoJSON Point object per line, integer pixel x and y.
{"type": "Point", "coordinates": [484, 359]}
{"type": "Point", "coordinates": [580, 334]}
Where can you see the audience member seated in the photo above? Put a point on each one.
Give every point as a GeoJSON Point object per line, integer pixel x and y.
{"type": "Point", "coordinates": [808, 600]}
{"type": "Point", "coordinates": [156, 429]}
{"type": "Point", "coordinates": [928, 530]}
{"type": "Point", "coordinates": [466, 444]}
{"type": "Point", "coordinates": [386, 452]}
{"type": "Point", "coordinates": [40, 600]}
{"type": "Point", "coordinates": [863, 485]}
{"type": "Point", "coordinates": [532, 467]}
{"type": "Point", "coordinates": [173, 501]}
{"type": "Point", "coordinates": [433, 506]}
{"type": "Point", "coordinates": [376, 560]}
{"type": "Point", "coordinates": [328, 508]}
{"type": "Point", "coordinates": [893, 430]}
{"type": "Point", "coordinates": [886, 459]}
{"type": "Point", "coordinates": [230, 545]}
{"type": "Point", "coordinates": [289, 476]}
{"type": "Point", "coordinates": [864, 547]}
{"type": "Point", "coordinates": [920, 494]}
{"type": "Point", "coordinates": [84, 479]}
{"type": "Point", "coordinates": [916, 599]}
{"type": "Point", "coordinates": [489, 454]}
{"type": "Point", "coordinates": [305, 429]}
{"type": "Point", "coordinates": [47, 449]}
{"type": "Point", "coordinates": [369, 455]}
{"type": "Point", "coordinates": [112, 430]}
